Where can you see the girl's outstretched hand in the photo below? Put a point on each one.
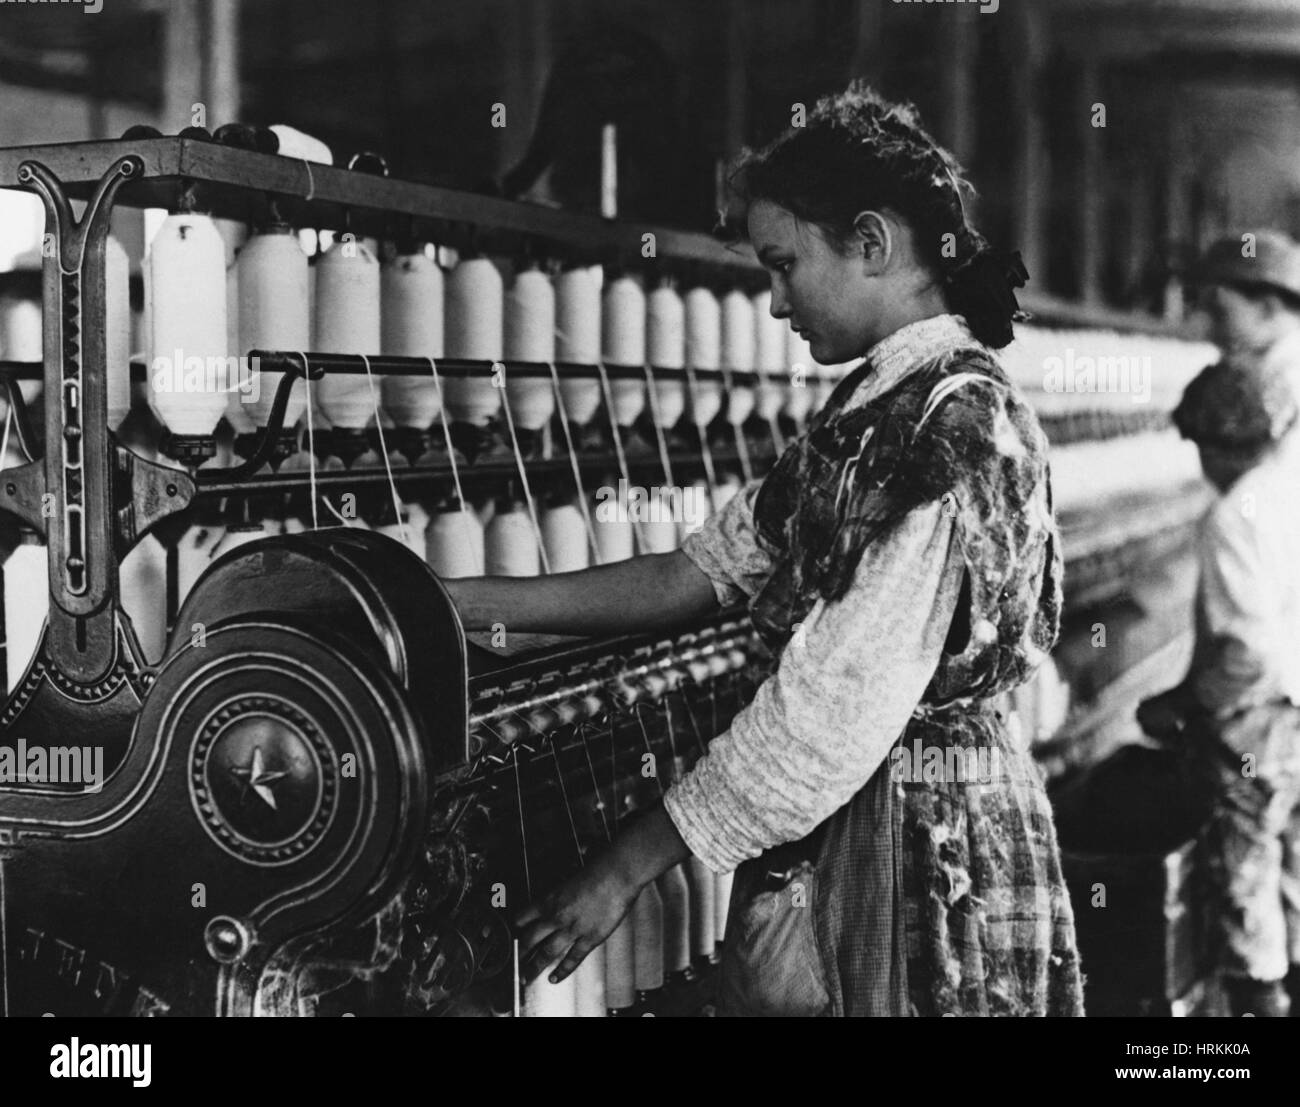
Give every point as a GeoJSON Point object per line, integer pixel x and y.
{"type": "Point", "coordinates": [581, 913]}
{"type": "Point", "coordinates": [576, 917]}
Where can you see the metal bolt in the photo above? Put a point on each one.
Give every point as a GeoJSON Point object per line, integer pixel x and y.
{"type": "Point", "coordinates": [227, 939]}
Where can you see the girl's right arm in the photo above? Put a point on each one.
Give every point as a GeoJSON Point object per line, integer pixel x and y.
{"type": "Point", "coordinates": [651, 592]}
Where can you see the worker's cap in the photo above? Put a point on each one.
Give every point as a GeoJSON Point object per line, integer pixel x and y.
{"type": "Point", "coordinates": [1264, 258]}
{"type": "Point", "coordinates": [1235, 407]}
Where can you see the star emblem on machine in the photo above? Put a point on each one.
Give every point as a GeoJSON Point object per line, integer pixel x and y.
{"type": "Point", "coordinates": [263, 779]}
{"type": "Point", "coordinates": [259, 778]}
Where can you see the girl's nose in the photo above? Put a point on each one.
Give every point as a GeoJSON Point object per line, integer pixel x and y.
{"type": "Point", "coordinates": [780, 306]}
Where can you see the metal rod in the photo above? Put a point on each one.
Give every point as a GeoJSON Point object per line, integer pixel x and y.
{"type": "Point", "coordinates": [286, 361]}
{"type": "Point", "coordinates": [217, 482]}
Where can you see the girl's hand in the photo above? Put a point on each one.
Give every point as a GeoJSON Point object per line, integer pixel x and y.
{"type": "Point", "coordinates": [577, 917]}
{"type": "Point", "coordinates": [584, 911]}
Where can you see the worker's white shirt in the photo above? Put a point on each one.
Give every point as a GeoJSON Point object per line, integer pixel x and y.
{"type": "Point", "coordinates": [1284, 356]}
{"type": "Point", "coordinates": [1248, 599]}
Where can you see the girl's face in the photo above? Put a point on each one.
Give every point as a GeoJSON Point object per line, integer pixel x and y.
{"type": "Point", "coordinates": [828, 296]}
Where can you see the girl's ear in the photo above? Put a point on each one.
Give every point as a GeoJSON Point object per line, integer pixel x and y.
{"type": "Point", "coordinates": [873, 240]}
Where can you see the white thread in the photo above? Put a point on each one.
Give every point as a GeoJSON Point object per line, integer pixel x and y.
{"type": "Point", "coordinates": [706, 454]}
{"type": "Point", "coordinates": [451, 457]}
{"type": "Point", "coordinates": [640, 543]}
{"type": "Point", "coordinates": [523, 480]}
{"type": "Point", "coordinates": [573, 462]}
{"type": "Point", "coordinates": [383, 449]}
{"type": "Point", "coordinates": [4, 445]}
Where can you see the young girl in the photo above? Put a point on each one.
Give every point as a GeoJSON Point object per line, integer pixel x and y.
{"type": "Point", "coordinates": [902, 560]}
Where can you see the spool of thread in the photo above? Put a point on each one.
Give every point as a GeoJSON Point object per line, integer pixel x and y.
{"type": "Point", "coordinates": [740, 404]}
{"type": "Point", "coordinates": [623, 325]}
{"type": "Point", "coordinates": [703, 329]}
{"type": "Point", "coordinates": [623, 322]}
{"type": "Point", "coordinates": [474, 329]}
{"type": "Point", "coordinates": [419, 520]}
{"type": "Point", "coordinates": [194, 555]}
{"type": "Point", "coordinates": [274, 312]}
{"type": "Point", "coordinates": [620, 966]}
{"type": "Point", "coordinates": [22, 339]}
{"type": "Point", "coordinates": [347, 322]}
{"type": "Point", "coordinates": [590, 987]}
{"type": "Point", "coordinates": [699, 878]}
{"type": "Point", "coordinates": [578, 339]}
{"type": "Point", "coordinates": [142, 587]}
{"type": "Point", "coordinates": [666, 349]}
{"type": "Point", "coordinates": [675, 893]}
{"type": "Point", "coordinates": [408, 532]}
{"type": "Point", "coordinates": [769, 335]}
{"type": "Point", "coordinates": [769, 397]}
{"type": "Point", "coordinates": [27, 603]}
{"type": "Point", "coordinates": [187, 289]}
{"type": "Point", "coordinates": [411, 288]}
{"type": "Point", "coordinates": [544, 1000]}
{"type": "Point", "coordinates": [704, 351]}
{"type": "Point", "coordinates": [739, 352]}
{"type": "Point", "coordinates": [511, 544]}
{"type": "Point", "coordinates": [530, 336]}
{"type": "Point", "coordinates": [648, 930]}
{"type": "Point", "coordinates": [117, 331]}
{"type": "Point", "coordinates": [564, 534]}
{"type": "Point", "coordinates": [21, 329]}
{"type": "Point", "coordinates": [614, 531]}
{"type": "Point", "coordinates": [660, 535]}
{"type": "Point", "coordinates": [368, 459]}
{"type": "Point", "coordinates": [237, 412]}
{"type": "Point", "coordinates": [722, 903]}
{"type": "Point", "coordinates": [739, 333]}
{"type": "Point", "coordinates": [297, 144]}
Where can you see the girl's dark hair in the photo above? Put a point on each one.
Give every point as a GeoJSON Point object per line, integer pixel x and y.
{"type": "Point", "coordinates": [859, 152]}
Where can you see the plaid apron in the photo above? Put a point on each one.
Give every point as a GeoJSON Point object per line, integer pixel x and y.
{"type": "Point", "coordinates": [933, 896]}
